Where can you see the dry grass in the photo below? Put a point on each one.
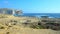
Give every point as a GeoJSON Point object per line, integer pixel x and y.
{"type": "Point", "coordinates": [17, 29]}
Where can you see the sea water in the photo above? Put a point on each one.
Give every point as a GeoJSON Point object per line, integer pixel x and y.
{"type": "Point", "coordinates": [52, 15]}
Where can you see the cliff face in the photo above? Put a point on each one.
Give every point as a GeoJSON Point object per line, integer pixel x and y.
{"type": "Point", "coordinates": [9, 11]}
{"type": "Point", "coordinates": [5, 11]}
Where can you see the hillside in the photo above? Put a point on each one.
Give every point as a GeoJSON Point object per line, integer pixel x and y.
{"type": "Point", "coordinates": [7, 27]}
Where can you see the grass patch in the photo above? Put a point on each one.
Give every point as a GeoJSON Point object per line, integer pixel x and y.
{"type": "Point", "coordinates": [38, 27]}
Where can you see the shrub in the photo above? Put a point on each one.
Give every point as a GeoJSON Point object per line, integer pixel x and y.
{"type": "Point", "coordinates": [7, 33]}
{"type": "Point", "coordinates": [1, 27]}
{"type": "Point", "coordinates": [37, 27]}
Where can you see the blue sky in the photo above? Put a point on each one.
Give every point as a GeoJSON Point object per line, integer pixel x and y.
{"type": "Point", "coordinates": [32, 6]}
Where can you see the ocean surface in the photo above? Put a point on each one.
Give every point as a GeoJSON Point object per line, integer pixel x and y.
{"type": "Point", "coordinates": [51, 15]}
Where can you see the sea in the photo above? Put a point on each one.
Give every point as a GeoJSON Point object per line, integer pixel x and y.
{"type": "Point", "coordinates": [51, 15]}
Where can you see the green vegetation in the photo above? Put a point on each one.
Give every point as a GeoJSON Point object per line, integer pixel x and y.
{"type": "Point", "coordinates": [37, 27]}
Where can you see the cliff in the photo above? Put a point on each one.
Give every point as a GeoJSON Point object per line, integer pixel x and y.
{"type": "Point", "coordinates": [10, 11]}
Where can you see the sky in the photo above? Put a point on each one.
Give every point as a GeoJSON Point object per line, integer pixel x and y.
{"type": "Point", "coordinates": [32, 6]}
